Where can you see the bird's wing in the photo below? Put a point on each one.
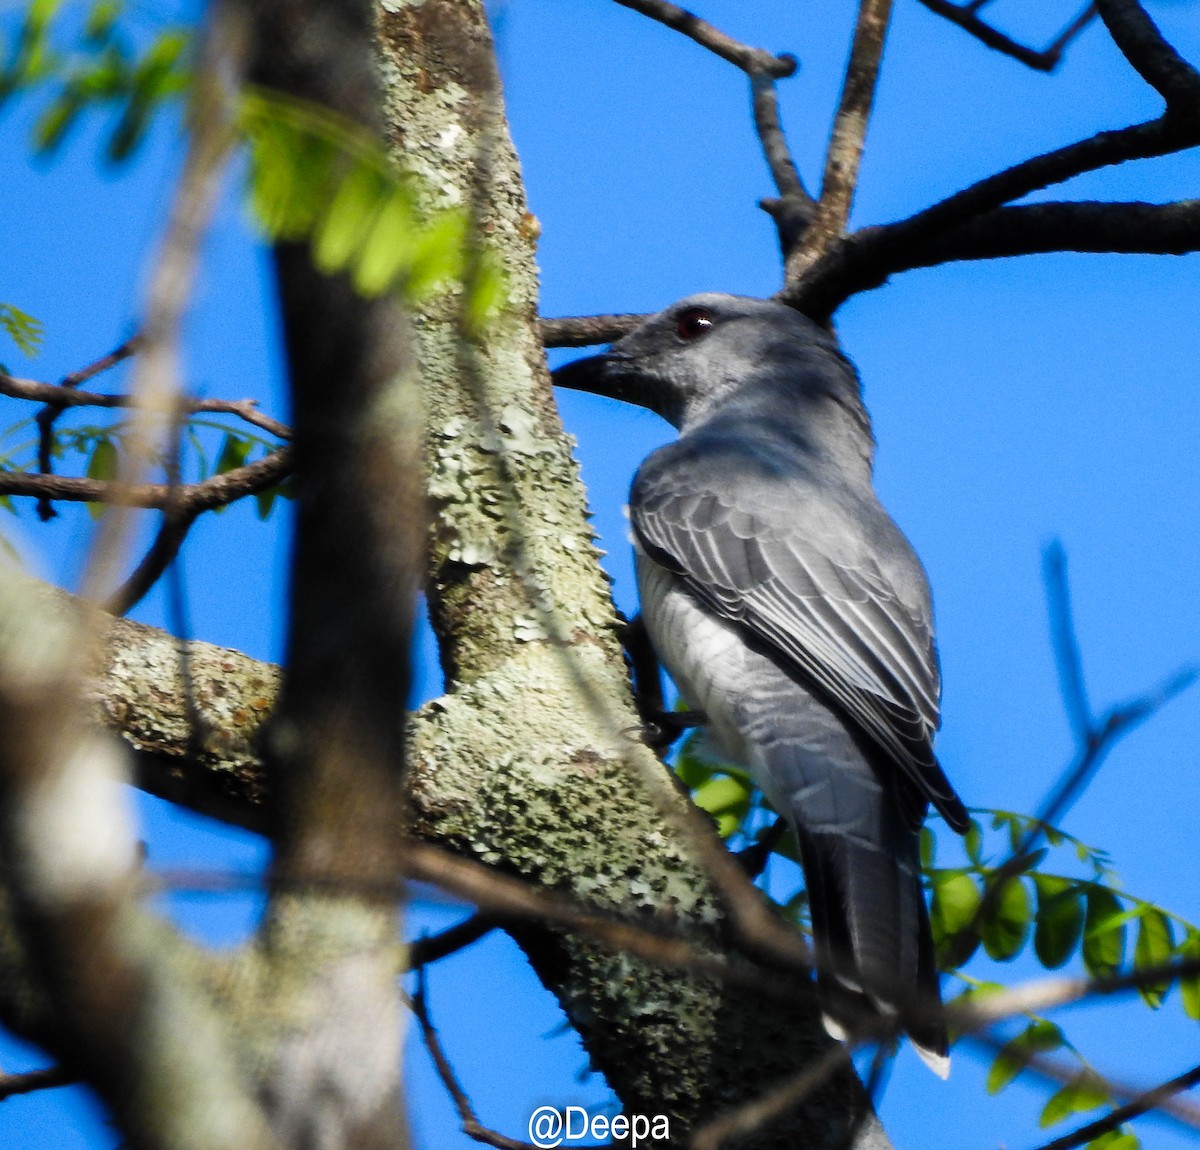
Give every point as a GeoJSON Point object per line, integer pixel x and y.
{"type": "Point", "coordinates": [794, 573]}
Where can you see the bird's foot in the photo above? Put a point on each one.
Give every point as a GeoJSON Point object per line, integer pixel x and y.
{"type": "Point", "coordinates": [662, 728]}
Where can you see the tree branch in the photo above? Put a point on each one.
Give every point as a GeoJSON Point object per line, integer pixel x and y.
{"type": "Point", "coordinates": [967, 17]}
{"type": "Point", "coordinates": [49, 414]}
{"type": "Point", "coordinates": [215, 491]}
{"type": "Point", "coordinates": [846, 141]}
{"type": "Point", "coordinates": [162, 553]}
{"type": "Point", "coordinates": [1151, 1100]}
{"type": "Point", "coordinates": [793, 210]}
{"type": "Point", "coordinates": [964, 221]}
{"type": "Point", "coordinates": [752, 61]}
{"type": "Point", "coordinates": [1156, 61]}
{"type": "Point", "coordinates": [33, 1080]}
{"type": "Point", "coordinates": [586, 330]}
{"type": "Point", "coordinates": [58, 397]}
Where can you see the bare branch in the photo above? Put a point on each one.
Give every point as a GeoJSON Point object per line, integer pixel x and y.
{"type": "Point", "coordinates": [1065, 642]}
{"type": "Point", "coordinates": [586, 330]}
{"type": "Point", "coordinates": [62, 396]}
{"type": "Point", "coordinates": [846, 142]}
{"type": "Point", "coordinates": [1156, 61]}
{"type": "Point", "coordinates": [46, 418]}
{"type": "Point", "coordinates": [1064, 226]}
{"type": "Point", "coordinates": [1151, 1100]}
{"type": "Point", "coordinates": [868, 257]}
{"type": "Point", "coordinates": [433, 948]}
{"type": "Point", "coordinates": [1094, 739]}
{"type": "Point", "coordinates": [967, 17]}
{"type": "Point", "coordinates": [1044, 994]}
{"type": "Point", "coordinates": [33, 1080]}
{"type": "Point", "coordinates": [468, 1120]}
{"type": "Point", "coordinates": [752, 61]}
{"type": "Point", "coordinates": [162, 553]}
{"type": "Point", "coordinates": [793, 210]}
{"type": "Point", "coordinates": [215, 491]}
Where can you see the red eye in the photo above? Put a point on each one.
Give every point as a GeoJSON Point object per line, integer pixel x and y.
{"type": "Point", "coordinates": [694, 323]}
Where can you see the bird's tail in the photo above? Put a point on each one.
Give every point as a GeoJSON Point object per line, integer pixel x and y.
{"type": "Point", "coordinates": [874, 950]}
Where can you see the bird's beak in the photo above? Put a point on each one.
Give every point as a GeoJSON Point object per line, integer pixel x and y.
{"type": "Point", "coordinates": [604, 374]}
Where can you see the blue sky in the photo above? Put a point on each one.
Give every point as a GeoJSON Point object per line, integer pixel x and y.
{"type": "Point", "coordinates": [1015, 402]}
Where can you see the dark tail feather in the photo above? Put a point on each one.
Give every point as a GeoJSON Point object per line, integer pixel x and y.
{"type": "Point", "coordinates": [871, 936]}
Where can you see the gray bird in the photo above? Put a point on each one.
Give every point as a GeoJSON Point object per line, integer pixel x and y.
{"type": "Point", "coordinates": [789, 609]}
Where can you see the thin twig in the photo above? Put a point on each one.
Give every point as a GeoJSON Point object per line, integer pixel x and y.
{"type": "Point", "coordinates": [1064, 641]}
{"type": "Point", "coordinates": [1094, 739]}
{"type": "Point", "coordinates": [868, 257]}
{"type": "Point", "coordinates": [844, 153]}
{"type": "Point", "coordinates": [63, 396]}
{"type": "Point", "coordinates": [1155, 60]}
{"type": "Point", "coordinates": [468, 1119]}
{"type": "Point", "coordinates": [752, 61]}
{"type": "Point", "coordinates": [162, 552]}
{"type": "Point", "coordinates": [1151, 1100]}
{"type": "Point", "coordinates": [32, 1080]}
{"type": "Point", "coordinates": [215, 491]}
{"type": "Point", "coordinates": [586, 330]}
{"type": "Point", "coordinates": [793, 210]}
{"type": "Point", "coordinates": [435, 947]}
{"type": "Point", "coordinates": [46, 418]}
{"type": "Point", "coordinates": [966, 17]}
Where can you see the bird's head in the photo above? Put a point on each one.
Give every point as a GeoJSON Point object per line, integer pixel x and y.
{"type": "Point", "coordinates": [710, 349]}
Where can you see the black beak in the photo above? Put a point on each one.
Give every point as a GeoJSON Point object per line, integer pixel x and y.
{"type": "Point", "coordinates": [604, 374]}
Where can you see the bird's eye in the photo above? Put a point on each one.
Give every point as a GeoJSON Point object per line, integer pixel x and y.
{"type": "Point", "coordinates": [694, 323]}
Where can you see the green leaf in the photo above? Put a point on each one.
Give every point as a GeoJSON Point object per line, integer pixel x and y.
{"type": "Point", "coordinates": [25, 331]}
{"type": "Point", "coordinates": [1155, 946]}
{"type": "Point", "coordinates": [1189, 985]}
{"type": "Point", "coordinates": [1119, 1139]}
{"type": "Point", "coordinates": [1103, 933]}
{"type": "Point", "coordinates": [928, 847]}
{"type": "Point", "coordinates": [1060, 914]}
{"type": "Point", "coordinates": [726, 799]}
{"type": "Point", "coordinates": [1037, 1038]}
{"type": "Point", "coordinates": [1087, 1092]}
{"type": "Point", "coordinates": [234, 452]}
{"type": "Point", "coordinates": [952, 911]}
{"type": "Point", "coordinates": [1007, 925]}
{"type": "Point", "coordinates": [101, 20]}
{"type": "Point", "coordinates": [388, 246]}
{"type": "Point", "coordinates": [104, 465]}
{"type": "Point", "coordinates": [264, 501]}
{"type": "Point", "coordinates": [56, 121]}
{"type": "Point", "coordinates": [345, 225]}
{"type": "Point", "coordinates": [974, 842]}
{"type": "Point", "coordinates": [439, 254]}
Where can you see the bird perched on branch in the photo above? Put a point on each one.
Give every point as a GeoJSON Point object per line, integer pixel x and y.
{"type": "Point", "coordinates": [789, 609]}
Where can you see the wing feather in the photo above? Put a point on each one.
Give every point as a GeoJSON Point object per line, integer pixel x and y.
{"type": "Point", "coordinates": [771, 552]}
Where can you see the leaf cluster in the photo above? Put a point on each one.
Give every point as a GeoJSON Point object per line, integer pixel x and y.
{"type": "Point", "coordinates": [25, 331]}
{"type": "Point", "coordinates": [103, 68]}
